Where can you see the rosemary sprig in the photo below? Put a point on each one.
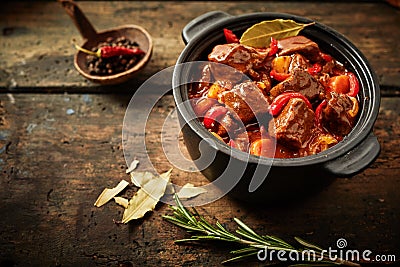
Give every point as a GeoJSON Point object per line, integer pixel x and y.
{"type": "Point", "coordinates": [252, 242]}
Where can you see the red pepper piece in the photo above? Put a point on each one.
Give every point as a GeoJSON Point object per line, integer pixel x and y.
{"type": "Point", "coordinates": [232, 143]}
{"type": "Point", "coordinates": [318, 113]}
{"type": "Point", "coordinates": [273, 47]}
{"type": "Point", "coordinates": [325, 57]}
{"type": "Point", "coordinates": [230, 36]}
{"type": "Point", "coordinates": [212, 115]}
{"type": "Point", "coordinates": [278, 76]}
{"type": "Point", "coordinates": [354, 85]}
{"type": "Point", "coordinates": [112, 51]}
{"type": "Point", "coordinates": [281, 100]}
{"type": "Point", "coordinates": [315, 69]}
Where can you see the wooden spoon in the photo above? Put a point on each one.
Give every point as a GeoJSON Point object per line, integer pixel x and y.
{"type": "Point", "coordinates": [92, 39]}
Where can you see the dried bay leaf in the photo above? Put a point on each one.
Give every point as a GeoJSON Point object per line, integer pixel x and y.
{"type": "Point", "coordinates": [122, 201]}
{"type": "Point", "coordinates": [147, 197]}
{"type": "Point", "coordinates": [108, 193]}
{"type": "Point", "coordinates": [132, 166]}
{"type": "Point", "coordinates": [170, 190]}
{"type": "Point", "coordinates": [190, 191]}
{"type": "Point", "coordinates": [259, 35]}
{"type": "Point", "coordinates": [141, 178]}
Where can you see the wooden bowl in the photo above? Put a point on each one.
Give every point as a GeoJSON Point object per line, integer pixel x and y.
{"type": "Point", "coordinates": [92, 38]}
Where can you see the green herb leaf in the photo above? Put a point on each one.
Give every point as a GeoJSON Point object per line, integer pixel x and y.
{"type": "Point", "coordinates": [259, 35]}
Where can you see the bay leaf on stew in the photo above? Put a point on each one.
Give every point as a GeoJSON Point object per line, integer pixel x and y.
{"type": "Point", "coordinates": [259, 35]}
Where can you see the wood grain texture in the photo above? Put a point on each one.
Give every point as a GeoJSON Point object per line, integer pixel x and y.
{"type": "Point", "coordinates": [36, 38]}
{"type": "Point", "coordinates": [58, 151]}
{"type": "Point", "coordinates": [54, 165]}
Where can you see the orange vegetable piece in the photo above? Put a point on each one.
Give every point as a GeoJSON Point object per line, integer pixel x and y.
{"type": "Point", "coordinates": [263, 147]}
{"type": "Point", "coordinates": [339, 84]}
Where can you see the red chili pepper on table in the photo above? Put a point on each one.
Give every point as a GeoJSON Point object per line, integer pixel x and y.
{"type": "Point", "coordinates": [278, 76]}
{"type": "Point", "coordinates": [112, 51]}
{"type": "Point", "coordinates": [315, 69]}
{"type": "Point", "coordinates": [273, 47]}
{"type": "Point", "coordinates": [230, 36]}
{"type": "Point", "coordinates": [281, 100]}
{"type": "Point", "coordinates": [354, 85]}
{"type": "Point", "coordinates": [318, 112]}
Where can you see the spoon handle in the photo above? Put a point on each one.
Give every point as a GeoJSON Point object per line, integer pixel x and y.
{"type": "Point", "coordinates": [80, 20]}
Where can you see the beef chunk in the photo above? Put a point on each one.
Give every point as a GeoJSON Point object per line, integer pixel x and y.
{"type": "Point", "coordinates": [246, 100]}
{"type": "Point", "coordinates": [299, 44]}
{"type": "Point", "coordinates": [241, 57]}
{"type": "Point", "coordinates": [228, 125]}
{"type": "Point", "coordinates": [241, 141]}
{"type": "Point", "coordinates": [300, 81]}
{"type": "Point", "coordinates": [298, 62]}
{"type": "Point", "coordinates": [335, 117]}
{"type": "Point", "coordinates": [204, 82]}
{"type": "Point", "coordinates": [294, 125]}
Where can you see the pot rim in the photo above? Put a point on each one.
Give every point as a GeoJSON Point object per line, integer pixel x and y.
{"type": "Point", "coordinates": [360, 64]}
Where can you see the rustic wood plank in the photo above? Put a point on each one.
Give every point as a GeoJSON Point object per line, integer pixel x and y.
{"type": "Point", "coordinates": [36, 38]}
{"type": "Point", "coordinates": [54, 165]}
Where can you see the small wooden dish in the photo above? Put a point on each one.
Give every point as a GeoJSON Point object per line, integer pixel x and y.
{"type": "Point", "coordinates": [92, 38]}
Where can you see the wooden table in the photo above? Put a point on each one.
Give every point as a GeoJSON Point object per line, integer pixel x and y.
{"type": "Point", "coordinates": [54, 164]}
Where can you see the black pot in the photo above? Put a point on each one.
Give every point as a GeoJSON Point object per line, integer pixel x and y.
{"type": "Point", "coordinates": [284, 177]}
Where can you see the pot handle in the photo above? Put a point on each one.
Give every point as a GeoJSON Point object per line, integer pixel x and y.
{"type": "Point", "coordinates": [202, 22]}
{"type": "Point", "coordinates": [357, 159]}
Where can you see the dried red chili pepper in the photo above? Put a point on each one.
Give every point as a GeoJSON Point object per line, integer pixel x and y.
{"type": "Point", "coordinates": [112, 51]}
{"type": "Point", "coordinates": [109, 51]}
{"type": "Point", "coordinates": [278, 76]}
{"type": "Point", "coordinates": [273, 47]}
{"type": "Point", "coordinates": [230, 36]}
{"type": "Point", "coordinates": [315, 69]}
{"type": "Point", "coordinates": [354, 85]}
{"type": "Point", "coordinates": [318, 113]}
{"type": "Point", "coordinates": [212, 115]}
{"type": "Point", "coordinates": [281, 100]}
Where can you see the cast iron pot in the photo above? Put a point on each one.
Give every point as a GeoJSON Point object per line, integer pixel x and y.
{"type": "Point", "coordinates": [284, 177]}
